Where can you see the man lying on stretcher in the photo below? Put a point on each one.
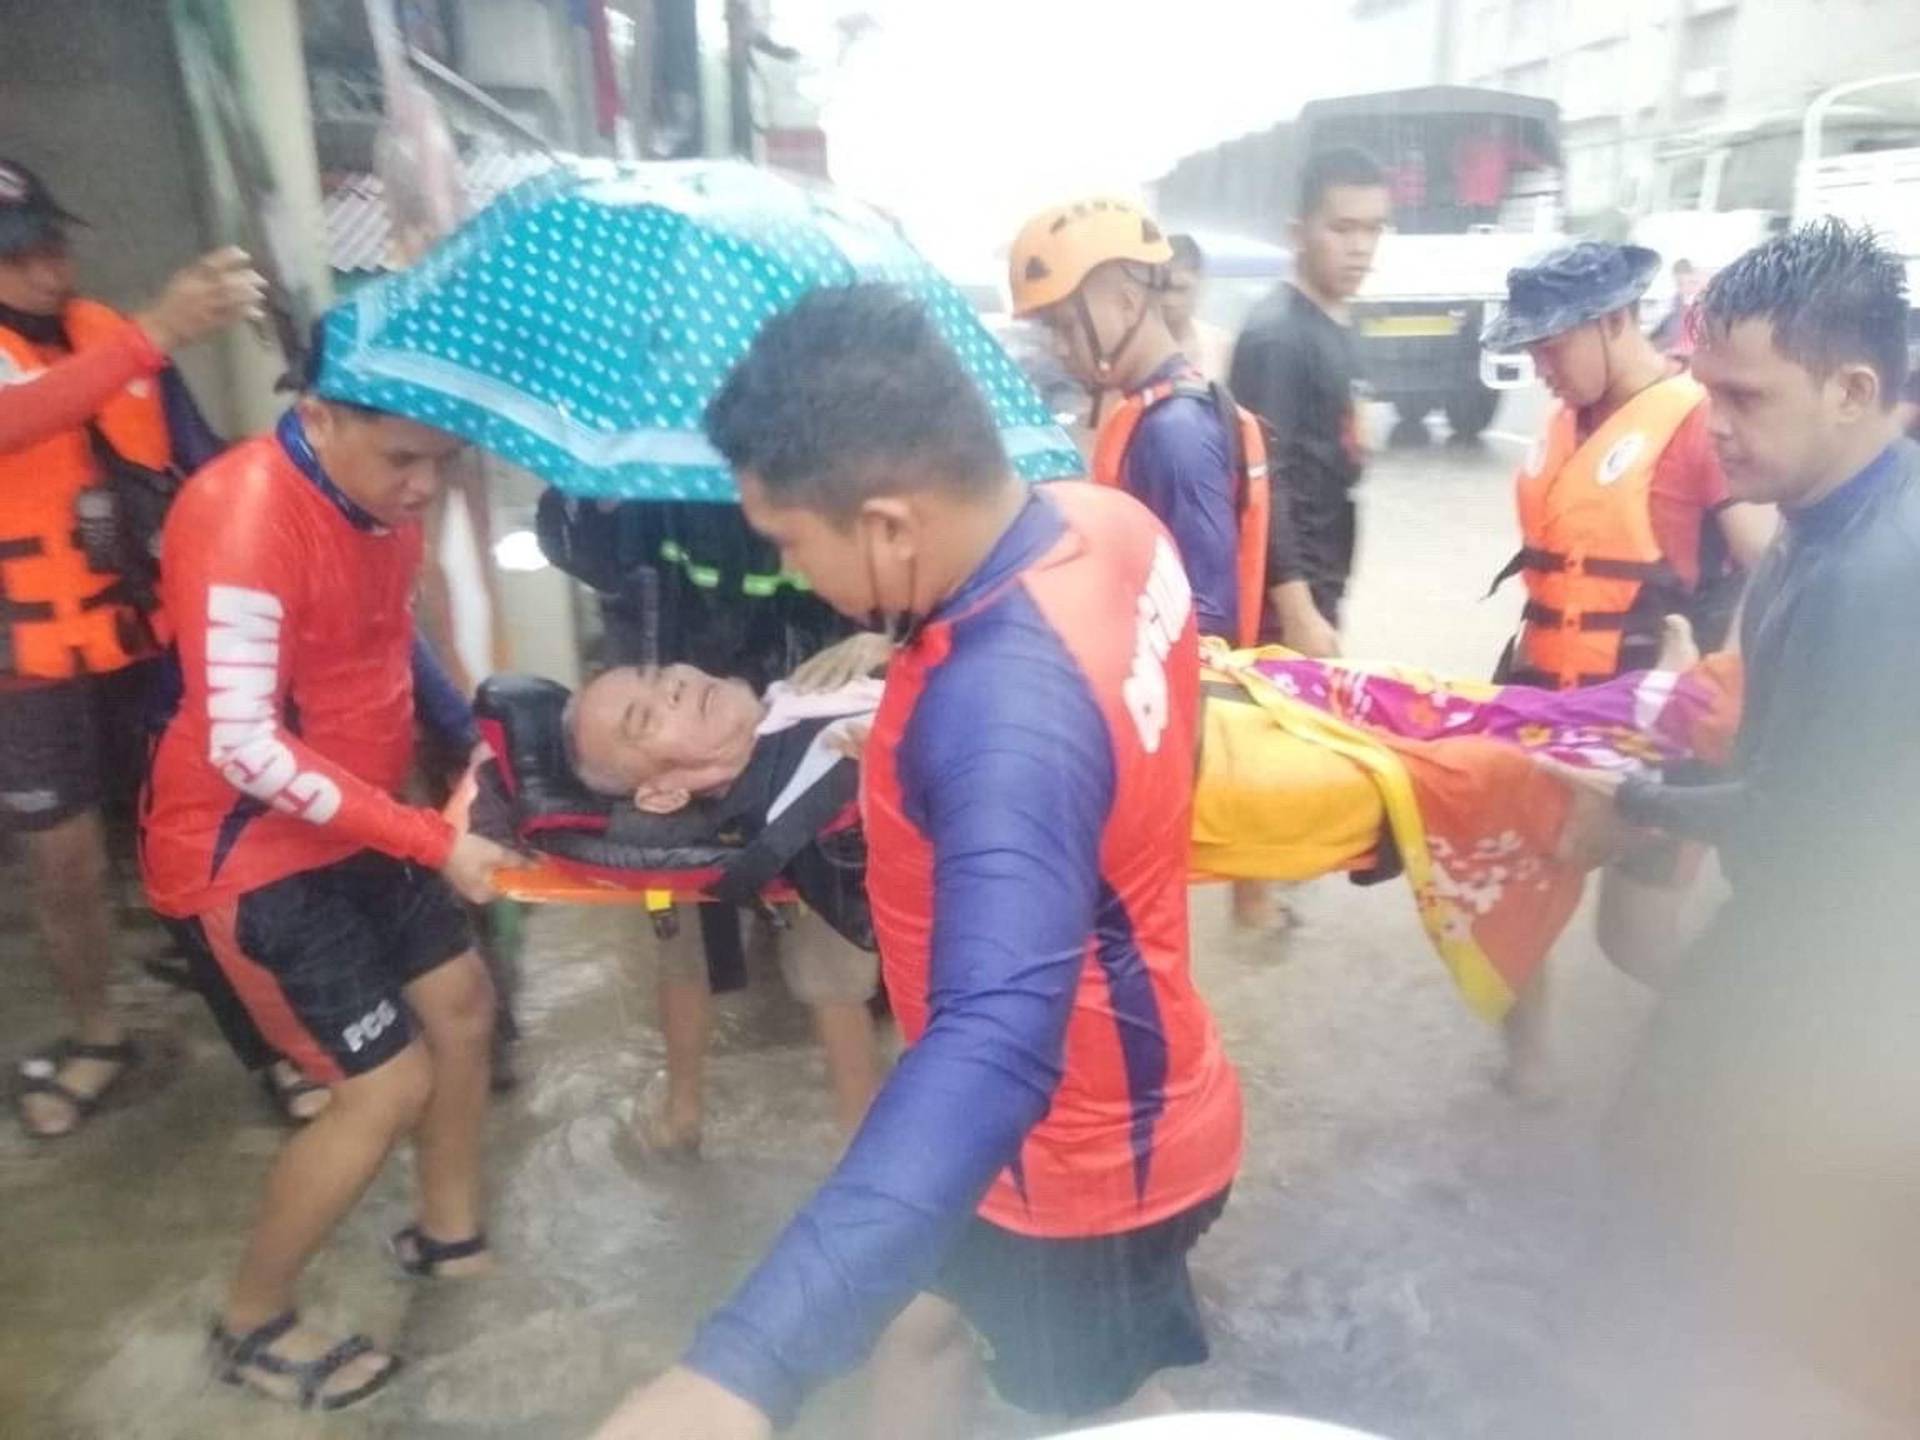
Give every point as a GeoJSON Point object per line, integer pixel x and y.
{"type": "Point", "coordinates": [1306, 768]}
{"type": "Point", "coordinates": [671, 779]}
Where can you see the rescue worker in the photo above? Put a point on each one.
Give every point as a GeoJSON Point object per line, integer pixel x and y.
{"type": "Point", "coordinates": [88, 404]}
{"type": "Point", "coordinates": [1625, 519]}
{"type": "Point", "coordinates": [1095, 274]}
{"type": "Point", "coordinates": [1064, 1124]}
{"type": "Point", "coordinates": [1206, 344]}
{"type": "Point", "coordinates": [1769, 1128]}
{"type": "Point", "coordinates": [273, 838]}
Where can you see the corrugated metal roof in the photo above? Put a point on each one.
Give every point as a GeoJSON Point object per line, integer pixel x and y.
{"type": "Point", "coordinates": [359, 232]}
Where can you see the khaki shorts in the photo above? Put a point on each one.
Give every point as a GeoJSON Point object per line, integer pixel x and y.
{"type": "Point", "coordinates": [820, 966]}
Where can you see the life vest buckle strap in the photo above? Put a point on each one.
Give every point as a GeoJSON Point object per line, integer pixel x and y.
{"type": "Point", "coordinates": [25, 612]}
{"type": "Point", "coordinates": [22, 547]}
{"type": "Point", "coordinates": [1648, 571]}
{"type": "Point", "coordinates": [1551, 618]}
{"type": "Point", "coordinates": [114, 596]}
{"type": "Point", "coordinates": [1523, 559]}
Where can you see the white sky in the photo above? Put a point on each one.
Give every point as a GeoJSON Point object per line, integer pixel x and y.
{"type": "Point", "coordinates": [963, 116]}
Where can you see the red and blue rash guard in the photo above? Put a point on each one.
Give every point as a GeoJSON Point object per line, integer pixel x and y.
{"type": "Point", "coordinates": [294, 622]}
{"type": "Point", "coordinates": [1026, 801]}
{"type": "Point", "coordinates": [1179, 464]}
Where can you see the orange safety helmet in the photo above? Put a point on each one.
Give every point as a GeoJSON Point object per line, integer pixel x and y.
{"type": "Point", "coordinates": [1057, 249]}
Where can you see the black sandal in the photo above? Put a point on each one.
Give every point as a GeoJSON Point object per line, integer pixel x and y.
{"type": "Point", "coordinates": [40, 1075]}
{"type": "Point", "coordinates": [420, 1254]}
{"type": "Point", "coordinates": [172, 969]}
{"type": "Point", "coordinates": [234, 1355]}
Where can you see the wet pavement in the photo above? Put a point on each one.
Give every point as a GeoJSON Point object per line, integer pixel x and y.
{"type": "Point", "coordinates": [1392, 1259]}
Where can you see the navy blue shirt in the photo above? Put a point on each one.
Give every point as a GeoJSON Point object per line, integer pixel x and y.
{"type": "Point", "coordinates": [1005, 768]}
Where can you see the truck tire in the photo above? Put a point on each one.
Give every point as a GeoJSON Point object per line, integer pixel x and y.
{"type": "Point", "coordinates": [1471, 410]}
{"type": "Point", "coordinates": [1410, 421]}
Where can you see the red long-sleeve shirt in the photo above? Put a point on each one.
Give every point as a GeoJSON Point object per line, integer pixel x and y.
{"type": "Point", "coordinates": [295, 727]}
{"type": "Point", "coordinates": [70, 392]}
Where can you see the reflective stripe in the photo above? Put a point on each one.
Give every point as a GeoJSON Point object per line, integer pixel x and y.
{"type": "Point", "coordinates": [704, 576]}
{"type": "Point", "coordinates": [707, 577]}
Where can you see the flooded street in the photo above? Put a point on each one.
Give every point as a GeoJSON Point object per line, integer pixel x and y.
{"type": "Point", "coordinates": [1389, 1259]}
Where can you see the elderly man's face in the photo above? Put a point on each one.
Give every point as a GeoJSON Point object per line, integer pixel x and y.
{"type": "Point", "coordinates": [663, 734]}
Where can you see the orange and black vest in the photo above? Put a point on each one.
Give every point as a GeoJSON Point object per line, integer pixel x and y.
{"type": "Point", "coordinates": [1597, 583]}
{"type": "Point", "coordinates": [61, 616]}
{"type": "Point", "coordinates": [1253, 495]}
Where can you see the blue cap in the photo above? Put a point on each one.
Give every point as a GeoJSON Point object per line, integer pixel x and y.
{"type": "Point", "coordinates": [1569, 286]}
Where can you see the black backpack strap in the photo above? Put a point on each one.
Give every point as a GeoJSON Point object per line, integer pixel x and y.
{"type": "Point", "coordinates": [792, 831]}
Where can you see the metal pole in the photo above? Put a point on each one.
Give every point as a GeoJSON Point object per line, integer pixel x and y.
{"type": "Point", "coordinates": [740, 28]}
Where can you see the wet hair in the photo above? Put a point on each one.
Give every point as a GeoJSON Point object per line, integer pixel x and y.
{"type": "Point", "coordinates": [1832, 292]}
{"type": "Point", "coordinates": [851, 394]}
{"type": "Point", "coordinates": [1187, 254]}
{"type": "Point", "coordinates": [600, 782]}
{"type": "Point", "coordinates": [1336, 165]}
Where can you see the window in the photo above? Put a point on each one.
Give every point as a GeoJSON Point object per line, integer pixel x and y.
{"type": "Point", "coordinates": [1707, 40]}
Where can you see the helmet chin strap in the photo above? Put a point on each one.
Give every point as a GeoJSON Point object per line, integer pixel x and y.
{"type": "Point", "coordinates": [1103, 359]}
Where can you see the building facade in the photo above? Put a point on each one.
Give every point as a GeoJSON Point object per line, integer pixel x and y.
{"type": "Point", "coordinates": [1647, 87]}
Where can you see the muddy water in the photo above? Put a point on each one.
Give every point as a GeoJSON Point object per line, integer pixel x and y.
{"type": "Point", "coordinates": [1396, 1255]}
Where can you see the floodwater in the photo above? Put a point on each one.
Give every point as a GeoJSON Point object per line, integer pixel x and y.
{"type": "Point", "coordinates": [1397, 1256]}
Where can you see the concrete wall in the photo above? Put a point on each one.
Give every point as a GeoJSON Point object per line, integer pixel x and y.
{"type": "Point", "coordinates": [91, 98]}
{"type": "Point", "coordinates": [268, 32]}
{"type": "Point", "coordinates": [1785, 54]}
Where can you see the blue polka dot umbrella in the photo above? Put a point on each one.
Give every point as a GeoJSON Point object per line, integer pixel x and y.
{"type": "Point", "coordinates": [580, 324]}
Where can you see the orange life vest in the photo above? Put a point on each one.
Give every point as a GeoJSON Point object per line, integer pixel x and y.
{"type": "Point", "coordinates": [1595, 574]}
{"type": "Point", "coordinates": [1253, 491]}
{"type": "Point", "coordinates": [64, 618]}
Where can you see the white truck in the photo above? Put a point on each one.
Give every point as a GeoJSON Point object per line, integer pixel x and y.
{"type": "Point", "coordinates": [1715, 192]}
{"type": "Point", "coordinates": [1476, 176]}
{"type": "Point", "coordinates": [1476, 181]}
{"type": "Point", "coordinates": [1873, 181]}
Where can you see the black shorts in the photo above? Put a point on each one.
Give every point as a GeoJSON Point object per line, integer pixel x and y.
{"type": "Point", "coordinates": [320, 961]}
{"type": "Point", "coordinates": [1074, 1327]}
{"type": "Point", "coordinates": [70, 746]}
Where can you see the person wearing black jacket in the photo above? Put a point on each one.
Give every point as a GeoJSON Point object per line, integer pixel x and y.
{"type": "Point", "coordinates": [1773, 1116]}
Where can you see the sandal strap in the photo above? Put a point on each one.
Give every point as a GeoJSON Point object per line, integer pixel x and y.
{"type": "Point", "coordinates": [429, 1254]}
{"type": "Point", "coordinates": [314, 1374]}
{"type": "Point", "coordinates": [246, 1349]}
{"type": "Point", "coordinates": [340, 1400]}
